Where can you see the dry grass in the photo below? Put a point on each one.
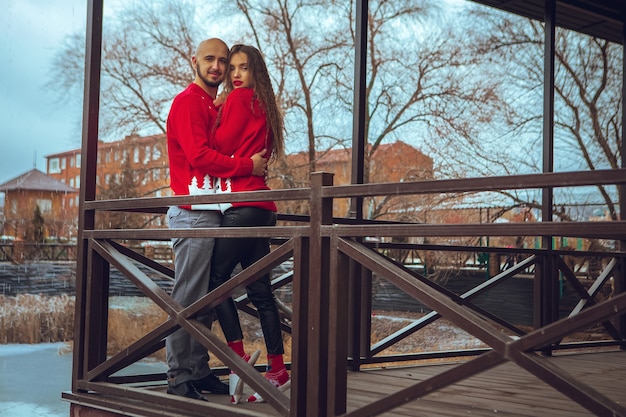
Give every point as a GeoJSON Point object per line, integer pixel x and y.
{"type": "Point", "coordinates": [29, 318]}
{"type": "Point", "coordinates": [137, 323]}
{"type": "Point", "coordinates": [40, 319]}
{"type": "Point", "coordinates": [36, 319]}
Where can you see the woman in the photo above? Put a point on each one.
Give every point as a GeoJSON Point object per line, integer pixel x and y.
{"type": "Point", "coordinates": [249, 122]}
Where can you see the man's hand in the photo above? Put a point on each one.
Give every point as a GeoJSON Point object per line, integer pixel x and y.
{"type": "Point", "coordinates": [259, 164]}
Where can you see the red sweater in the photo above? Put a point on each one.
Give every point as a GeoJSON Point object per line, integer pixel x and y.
{"type": "Point", "coordinates": [192, 161]}
{"type": "Point", "coordinates": [242, 132]}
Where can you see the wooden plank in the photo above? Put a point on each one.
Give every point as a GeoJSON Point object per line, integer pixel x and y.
{"type": "Point", "coordinates": [505, 390]}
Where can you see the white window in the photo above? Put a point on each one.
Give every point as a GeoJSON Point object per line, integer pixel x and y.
{"type": "Point", "coordinates": [71, 182]}
{"type": "Point", "coordinates": [77, 160]}
{"type": "Point", "coordinates": [146, 154]}
{"type": "Point", "coordinates": [53, 166]}
{"type": "Point", "coordinates": [63, 163]}
{"type": "Point", "coordinates": [136, 155]}
{"type": "Point", "coordinates": [45, 206]}
{"type": "Point", "coordinates": [72, 162]}
{"type": "Point", "coordinates": [77, 182]}
{"type": "Point", "coordinates": [156, 153]}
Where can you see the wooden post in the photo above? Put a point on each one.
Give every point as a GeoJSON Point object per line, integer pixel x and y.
{"type": "Point", "coordinates": [318, 327]}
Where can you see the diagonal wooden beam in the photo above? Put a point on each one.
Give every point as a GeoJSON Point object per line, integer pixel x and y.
{"type": "Point", "coordinates": [595, 288]}
{"type": "Point", "coordinates": [432, 384]}
{"type": "Point", "coordinates": [504, 347]}
{"type": "Point", "coordinates": [587, 297]}
{"type": "Point", "coordinates": [136, 351]}
{"type": "Point", "coordinates": [183, 317]}
{"type": "Point", "coordinates": [137, 277]}
{"type": "Point", "coordinates": [155, 266]}
{"type": "Point", "coordinates": [461, 316]}
{"type": "Point", "coordinates": [245, 277]}
{"type": "Point", "coordinates": [249, 374]}
{"type": "Point", "coordinates": [466, 296]}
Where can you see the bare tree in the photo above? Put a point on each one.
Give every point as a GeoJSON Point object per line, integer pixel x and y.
{"type": "Point", "coordinates": [302, 59]}
{"type": "Point", "coordinates": [146, 51]}
{"type": "Point", "coordinates": [424, 87]}
{"type": "Point", "coordinates": [588, 102]}
{"type": "Point", "coordinates": [424, 82]}
{"type": "Point", "coordinates": [421, 82]}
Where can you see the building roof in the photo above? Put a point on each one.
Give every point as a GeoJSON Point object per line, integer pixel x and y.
{"type": "Point", "coordinates": [35, 180]}
{"type": "Point", "coordinates": [135, 139]}
{"type": "Point", "coordinates": [599, 18]}
{"type": "Point", "coordinates": [345, 154]}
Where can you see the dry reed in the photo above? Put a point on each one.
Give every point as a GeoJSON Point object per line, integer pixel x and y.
{"type": "Point", "coordinates": [28, 318]}
{"type": "Point", "coordinates": [37, 319]}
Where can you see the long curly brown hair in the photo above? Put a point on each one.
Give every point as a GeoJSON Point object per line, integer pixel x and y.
{"type": "Point", "coordinates": [263, 91]}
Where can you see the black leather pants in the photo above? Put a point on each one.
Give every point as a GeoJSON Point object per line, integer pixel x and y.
{"type": "Point", "coordinates": [228, 252]}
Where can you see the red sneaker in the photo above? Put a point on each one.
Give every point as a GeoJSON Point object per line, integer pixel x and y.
{"type": "Point", "coordinates": [280, 379]}
{"type": "Point", "coordinates": [236, 383]}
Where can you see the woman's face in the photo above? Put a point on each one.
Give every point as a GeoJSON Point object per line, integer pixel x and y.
{"type": "Point", "coordinates": [239, 74]}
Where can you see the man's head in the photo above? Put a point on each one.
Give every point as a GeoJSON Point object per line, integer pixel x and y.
{"type": "Point", "coordinates": [210, 64]}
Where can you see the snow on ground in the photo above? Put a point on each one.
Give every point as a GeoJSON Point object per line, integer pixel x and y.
{"type": "Point", "coordinates": [20, 349]}
{"type": "Point", "coordinates": [32, 378]}
{"type": "Point", "coordinates": [31, 410]}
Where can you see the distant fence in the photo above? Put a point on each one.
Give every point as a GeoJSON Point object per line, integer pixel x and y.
{"type": "Point", "coordinates": [21, 252]}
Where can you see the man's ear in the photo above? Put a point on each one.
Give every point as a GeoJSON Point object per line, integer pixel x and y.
{"type": "Point", "coordinates": [194, 61]}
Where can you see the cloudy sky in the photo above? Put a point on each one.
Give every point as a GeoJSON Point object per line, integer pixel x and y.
{"type": "Point", "coordinates": [32, 124]}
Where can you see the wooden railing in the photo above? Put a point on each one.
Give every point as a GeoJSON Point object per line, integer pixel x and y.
{"type": "Point", "coordinates": [331, 299]}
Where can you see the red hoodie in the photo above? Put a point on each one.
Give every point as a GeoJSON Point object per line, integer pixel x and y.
{"type": "Point", "coordinates": [192, 161]}
{"type": "Point", "coordinates": [242, 132]}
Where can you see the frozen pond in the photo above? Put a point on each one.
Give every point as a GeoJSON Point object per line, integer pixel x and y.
{"type": "Point", "coordinates": [32, 378]}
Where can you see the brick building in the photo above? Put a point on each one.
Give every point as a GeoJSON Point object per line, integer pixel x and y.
{"type": "Point", "coordinates": [391, 163]}
{"type": "Point", "coordinates": [22, 196]}
{"type": "Point", "coordinates": [146, 159]}
{"type": "Point", "coordinates": [144, 156]}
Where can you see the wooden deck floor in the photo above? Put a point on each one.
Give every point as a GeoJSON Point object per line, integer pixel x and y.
{"type": "Point", "coordinates": [506, 390]}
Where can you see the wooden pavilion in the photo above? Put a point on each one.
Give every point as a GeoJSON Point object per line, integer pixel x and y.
{"type": "Point", "coordinates": [335, 369]}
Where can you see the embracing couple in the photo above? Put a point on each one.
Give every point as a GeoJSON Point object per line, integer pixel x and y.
{"type": "Point", "coordinates": [222, 147]}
